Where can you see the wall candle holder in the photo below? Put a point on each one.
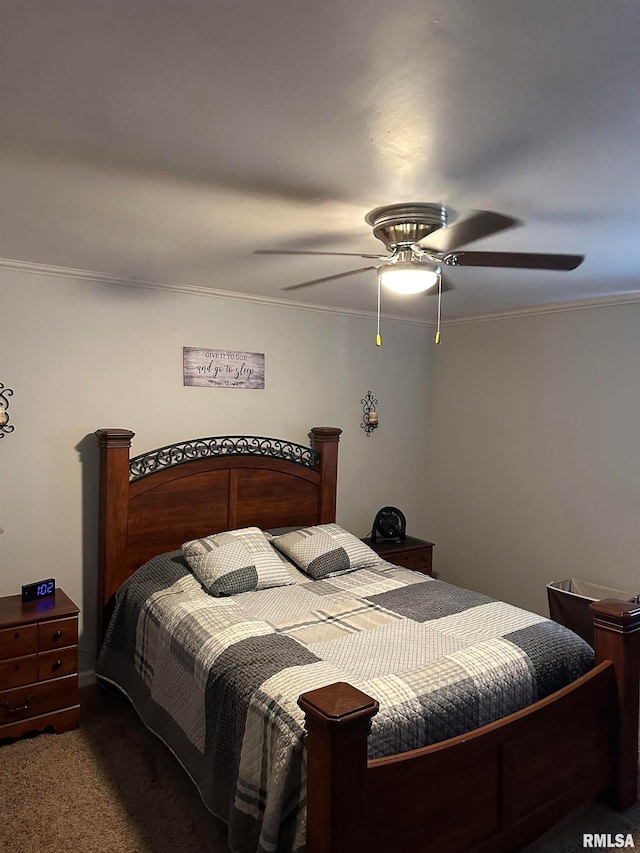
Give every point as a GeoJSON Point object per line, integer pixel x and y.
{"type": "Point", "coordinates": [5, 426]}
{"type": "Point", "coordinates": [369, 414]}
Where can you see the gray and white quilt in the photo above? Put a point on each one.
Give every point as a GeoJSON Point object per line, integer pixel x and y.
{"type": "Point", "coordinates": [218, 678]}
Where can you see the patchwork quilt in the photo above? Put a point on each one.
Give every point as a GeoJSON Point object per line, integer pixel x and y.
{"type": "Point", "coordinates": [218, 678]}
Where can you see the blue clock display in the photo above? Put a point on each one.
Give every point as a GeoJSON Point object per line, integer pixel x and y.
{"type": "Point", "coordinates": [39, 589]}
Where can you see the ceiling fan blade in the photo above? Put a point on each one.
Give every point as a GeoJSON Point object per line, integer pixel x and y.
{"type": "Point", "coordinates": [331, 254]}
{"type": "Point", "coordinates": [326, 278]}
{"type": "Point", "coordinates": [480, 224]}
{"type": "Point", "coordinates": [514, 260]}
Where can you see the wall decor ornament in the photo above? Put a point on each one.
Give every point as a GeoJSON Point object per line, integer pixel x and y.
{"type": "Point", "coordinates": [369, 413]}
{"type": "Point", "coordinates": [5, 426]}
{"type": "Point", "coordinates": [216, 368]}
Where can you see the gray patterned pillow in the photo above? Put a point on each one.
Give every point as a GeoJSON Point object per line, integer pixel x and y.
{"type": "Point", "coordinates": [235, 561]}
{"type": "Point", "coordinates": [325, 549]}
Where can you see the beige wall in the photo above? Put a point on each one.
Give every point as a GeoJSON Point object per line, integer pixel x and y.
{"type": "Point", "coordinates": [82, 355]}
{"type": "Point", "coordinates": [534, 452]}
{"type": "Point", "coordinates": [514, 445]}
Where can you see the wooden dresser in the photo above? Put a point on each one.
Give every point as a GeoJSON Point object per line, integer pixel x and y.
{"type": "Point", "coordinates": [411, 553]}
{"type": "Point", "coordinates": [38, 665]}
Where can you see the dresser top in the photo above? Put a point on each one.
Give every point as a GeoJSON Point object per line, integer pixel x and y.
{"type": "Point", "coordinates": [14, 612]}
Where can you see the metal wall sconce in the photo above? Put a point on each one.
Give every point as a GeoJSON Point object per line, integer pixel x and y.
{"type": "Point", "coordinates": [5, 426]}
{"type": "Point", "coordinates": [369, 414]}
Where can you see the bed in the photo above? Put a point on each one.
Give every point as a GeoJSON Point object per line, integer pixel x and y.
{"type": "Point", "coordinates": [354, 778]}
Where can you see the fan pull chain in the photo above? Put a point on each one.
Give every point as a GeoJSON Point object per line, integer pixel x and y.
{"type": "Point", "coordinates": [378, 338]}
{"type": "Point", "coordinates": [439, 306]}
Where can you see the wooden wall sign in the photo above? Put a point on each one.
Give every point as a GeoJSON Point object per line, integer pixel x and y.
{"type": "Point", "coordinates": [215, 368]}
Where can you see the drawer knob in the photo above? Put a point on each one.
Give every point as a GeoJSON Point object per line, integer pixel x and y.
{"type": "Point", "coordinates": [10, 709]}
{"type": "Point", "coordinates": [57, 635]}
{"type": "Point", "coordinates": [56, 665]}
{"type": "Point", "coordinates": [16, 636]}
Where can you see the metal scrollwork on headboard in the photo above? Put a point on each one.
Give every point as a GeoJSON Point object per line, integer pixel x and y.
{"type": "Point", "coordinates": [229, 445]}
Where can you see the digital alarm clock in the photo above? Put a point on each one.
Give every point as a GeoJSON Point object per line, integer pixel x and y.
{"type": "Point", "coordinates": [38, 590]}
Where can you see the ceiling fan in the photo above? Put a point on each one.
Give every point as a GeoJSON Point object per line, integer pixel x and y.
{"type": "Point", "coordinates": [419, 243]}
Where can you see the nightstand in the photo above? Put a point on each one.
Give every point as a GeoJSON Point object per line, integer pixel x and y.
{"type": "Point", "coordinates": [412, 553]}
{"type": "Point", "coordinates": [38, 665]}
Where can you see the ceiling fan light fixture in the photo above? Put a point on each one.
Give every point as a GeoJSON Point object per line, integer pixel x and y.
{"type": "Point", "coordinates": [407, 277]}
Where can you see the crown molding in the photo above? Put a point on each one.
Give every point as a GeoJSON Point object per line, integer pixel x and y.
{"type": "Point", "coordinates": [195, 290]}
{"type": "Point", "coordinates": [629, 298]}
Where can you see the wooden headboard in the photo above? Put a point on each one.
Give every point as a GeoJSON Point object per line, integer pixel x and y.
{"type": "Point", "coordinates": [154, 502]}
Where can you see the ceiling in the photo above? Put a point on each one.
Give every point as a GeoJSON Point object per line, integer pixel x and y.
{"type": "Point", "coordinates": [166, 140]}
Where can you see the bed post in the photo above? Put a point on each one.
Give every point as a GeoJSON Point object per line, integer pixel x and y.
{"type": "Point", "coordinates": [325, 441]}
{"type": "Point", "coordinates": [617, 638]}
{"type": "Point", "coordinates": [114, 515]}
{"type": "Point", "coordinates": [338, 722]}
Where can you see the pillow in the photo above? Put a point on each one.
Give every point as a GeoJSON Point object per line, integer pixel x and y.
{"type": "Point", "coordinates": [278, 531]}
{"type": "Point", "coordinates": [325, 549]}
{"type": "Point", "coordinates": [235, 561]}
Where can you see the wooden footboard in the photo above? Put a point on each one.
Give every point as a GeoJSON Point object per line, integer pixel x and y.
{"type": "Point", "coordinates": [494, 789]}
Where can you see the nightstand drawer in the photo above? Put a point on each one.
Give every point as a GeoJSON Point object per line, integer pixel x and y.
{"type": "Point", "coordinates": [15, 642]}
{"type": "Point", "coordinates": [18, 671]}
{"type": "Point", "coordinates": [57, 662]}
{"type": "Point", "coordinates": [38, 665]}
{"type": "Point", "coordinates": [57, 633]}
{"type": "Point", "coordinates": [410, 553]}
{"type": "Point", "coordinates": [419, 561]}
{"type": "Point", "coordinates": [34, 699]}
